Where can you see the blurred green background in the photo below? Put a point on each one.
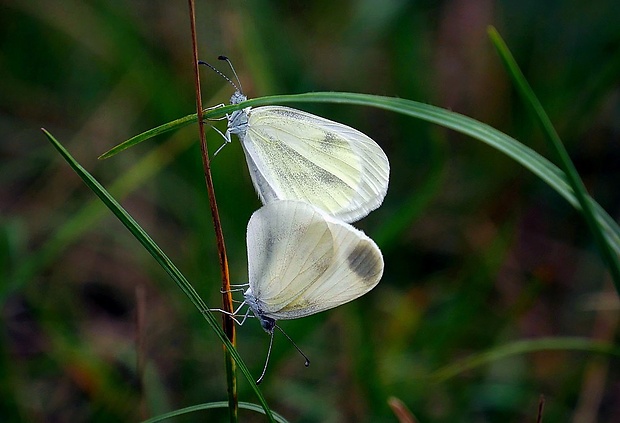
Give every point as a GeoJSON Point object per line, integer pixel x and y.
{"type": "Point", "coordinates": [478, 252]}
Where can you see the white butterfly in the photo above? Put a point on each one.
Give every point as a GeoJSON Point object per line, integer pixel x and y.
{"type": "Point", "coordinates": [302, 261]}
{"type": "Point", "coordinates": [294, 155]}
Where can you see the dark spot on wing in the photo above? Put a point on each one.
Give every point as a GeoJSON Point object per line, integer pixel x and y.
{"type": "Point", "coordinates": [331, 143]}
{"type": "Point", "coordinates": [365, 261]}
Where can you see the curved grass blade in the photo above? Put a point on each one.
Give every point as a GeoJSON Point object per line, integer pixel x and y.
{"type": "Point", "coordinates": [555, 144]}
{"type": "Point", "coordinates": [175, 124]}
{"type": "Point", "coordinates": [522, 154]}
{"type": "Point", "coordinates": [91, 212]}
{"type": "Point", "coordinates": [161, 258]}
{"type": "Point", "coordinates": [523, 347]}
{"type": "Point", "coordinates": [209, 406]}
{"type": "Point", "coordinates": [158, 130]}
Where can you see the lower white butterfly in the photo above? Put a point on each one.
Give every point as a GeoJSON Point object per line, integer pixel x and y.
{"type": "Point", "coordinates": [302, 261]}
{"type": "Point", "coordinates": [294, 155]}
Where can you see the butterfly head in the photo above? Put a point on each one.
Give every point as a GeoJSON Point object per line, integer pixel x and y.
{"type": "Point", "coordinates": [266, 322]}
{"type": "Point", "coordinates": [237, 97]}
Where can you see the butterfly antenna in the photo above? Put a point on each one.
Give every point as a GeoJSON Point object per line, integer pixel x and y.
{"type": "Point", "coordinates": [262, 375]}
{"type": "Point", "coordinates": [307, 363]}
{"type": "Point", "coordinates": [201, 62]}
{"type": "Point", "coordinates": [233, 70]}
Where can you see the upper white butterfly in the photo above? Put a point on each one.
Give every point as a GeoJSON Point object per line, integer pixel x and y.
{"type": "Point", "coordinates": [294, 155]}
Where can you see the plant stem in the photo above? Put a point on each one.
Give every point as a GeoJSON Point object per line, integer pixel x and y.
{"type": "Point", "coordinates": [227, 322]}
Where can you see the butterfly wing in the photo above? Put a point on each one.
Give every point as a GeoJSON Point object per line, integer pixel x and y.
{"type": "Point", "coordinates": [322, 263]}
{"type": "Point", "coordinates": [357, 268]}
{"type": "Point", "coordinates": [294, 155]}
{"type": "Point", "coordinates": [289, 246]}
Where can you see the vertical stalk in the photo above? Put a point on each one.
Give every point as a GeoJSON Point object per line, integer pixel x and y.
{"type": "Point", "coordinates": [227, 322]}
{"type": "Point", "coordinates": [141, 348]}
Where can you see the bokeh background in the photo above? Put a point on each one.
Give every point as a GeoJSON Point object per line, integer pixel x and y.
{"type": "Point", "coordinates": [479, 253]}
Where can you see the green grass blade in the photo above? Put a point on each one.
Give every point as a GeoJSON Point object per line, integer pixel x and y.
{"type": "Point", "coordinates": [555, 143]}
{"type": "Point", "coordinates": [175, 124]}
{"type": "Point", "coordinates": [209, 406]}
{"type": "Point", "coordinates": [90, 213]}
{"type": "Point", "coordinates": [522, 154]}
{"type": "Point", "coordinates": [161, 258]}
{"type": "Point", "coordinates": [523, 347]}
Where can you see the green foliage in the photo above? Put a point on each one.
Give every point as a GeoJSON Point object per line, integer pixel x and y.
{"type": "Point", "coordinates": [494, 292]}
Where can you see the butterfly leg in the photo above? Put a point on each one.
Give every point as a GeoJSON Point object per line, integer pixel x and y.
{"type": "Point", "coordinates": [234, 314]}
{"type": "Point", "coordinates": [217, 106]}
{"type": "Point", "coordinates": [226, 139]}
{"type": "Point", "coordinates": [245, 316]}
{"type": "Point", "coordinates": [226, 117]}
{"type": "Point", "coordinates": [235, 288]}
{"type": "Point", "coordinates": [224, 291]}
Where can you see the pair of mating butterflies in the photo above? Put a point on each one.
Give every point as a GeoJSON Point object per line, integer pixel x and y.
{"type": "Point", "coordinates": [314, 176]}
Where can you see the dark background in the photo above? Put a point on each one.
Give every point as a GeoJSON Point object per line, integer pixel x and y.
{"type": "Point", "coordinates": [479, 253]}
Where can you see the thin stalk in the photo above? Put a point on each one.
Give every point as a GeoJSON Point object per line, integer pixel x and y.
{"type": "Point", "coordinates": [141, 348]}
{"type": "Point", "coordinates": [227, 322]}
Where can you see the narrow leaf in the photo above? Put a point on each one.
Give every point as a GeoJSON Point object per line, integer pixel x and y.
{"type": "Point", "coordinates": [522, 154]}
{"type": "Point", "coordinates": [523, 347]}
{"type": "Point", "coordinates": [161, 258]}
{"type": "Point", "coordinates": [555, 143]}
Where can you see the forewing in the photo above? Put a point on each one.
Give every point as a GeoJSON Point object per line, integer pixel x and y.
{"type": "Point", "coordinates": [290, 246]}
{"type": "Point", "coordinates": [299, 156]}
